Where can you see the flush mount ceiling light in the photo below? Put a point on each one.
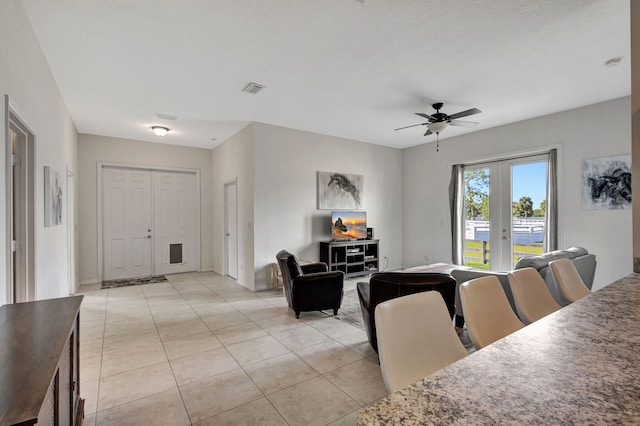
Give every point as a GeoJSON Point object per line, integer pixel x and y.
{"type": "Point", "coordinates": [160, 130]}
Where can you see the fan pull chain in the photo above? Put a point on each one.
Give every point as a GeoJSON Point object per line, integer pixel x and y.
{"type": "Point", "coordinates": [437, 142]}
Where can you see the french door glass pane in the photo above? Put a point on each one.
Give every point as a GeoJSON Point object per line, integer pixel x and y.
{"type": "Point", "coordinates": [476, 219]}
{"type": "Point", "coordinates": [529, 201]}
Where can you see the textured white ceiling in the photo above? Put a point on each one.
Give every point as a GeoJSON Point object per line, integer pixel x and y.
{"type": "Point", "coordinates": [339, 67]}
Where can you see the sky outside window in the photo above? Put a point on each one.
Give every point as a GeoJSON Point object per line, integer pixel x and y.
{"type": "Point", "coordinates": [530, 180]}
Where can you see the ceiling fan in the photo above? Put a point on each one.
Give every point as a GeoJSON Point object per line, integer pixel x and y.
{"type": "Point", "coordinates": [439, 121]}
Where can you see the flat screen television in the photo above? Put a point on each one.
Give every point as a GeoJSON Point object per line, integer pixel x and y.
{"type": "Point", "coordinates": [348, 225]}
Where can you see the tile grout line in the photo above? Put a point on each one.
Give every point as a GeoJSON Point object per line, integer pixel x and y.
{"type": "Point", "coordinates": [102, 355]}
{"type": "Point", "coordinates": [175, 379]}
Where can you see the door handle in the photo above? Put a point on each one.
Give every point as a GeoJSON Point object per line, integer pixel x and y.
{"type": "Point", "coordinates": [148, 236]}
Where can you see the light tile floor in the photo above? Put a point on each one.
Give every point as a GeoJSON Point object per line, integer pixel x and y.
{"type": "Point", "coordinates": [203, 350]}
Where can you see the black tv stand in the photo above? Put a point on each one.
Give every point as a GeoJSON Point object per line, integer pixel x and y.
{"type": "Point", "coordinates": [353, 257]}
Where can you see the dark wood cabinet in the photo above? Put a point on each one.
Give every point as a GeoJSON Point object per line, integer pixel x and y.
{"type": "Point", "coordinates": [354, 257]}
{"type": "Point", "coordinates": [40, 363]}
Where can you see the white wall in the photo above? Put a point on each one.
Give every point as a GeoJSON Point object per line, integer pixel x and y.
{"type": "Point", "coordinates": [594, 131]}
{"type": "Point", "coordinates": [286, 162]}
{"type": "Point", "coordinates": [635, 113]}
{"type": "Point", "coordinates": [233, 160]}
{"type": "Point", "coordinates": [93, 149]}
{"type": "Point", "coordinates": [25, 76]}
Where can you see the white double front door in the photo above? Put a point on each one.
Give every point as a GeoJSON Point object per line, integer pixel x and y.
{"type": "Point", "coordinates": [149, 222]}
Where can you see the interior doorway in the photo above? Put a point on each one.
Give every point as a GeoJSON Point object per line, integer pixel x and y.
{"type": "Point", "coordinates": [21, 211]}
{"type": "Point", "coordinates": [231, 228]}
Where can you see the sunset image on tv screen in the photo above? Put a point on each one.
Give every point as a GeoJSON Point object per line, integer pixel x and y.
{"type": "Point", "coordinates": [347, 224]}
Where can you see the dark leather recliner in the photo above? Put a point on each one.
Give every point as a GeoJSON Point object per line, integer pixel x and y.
{"type": "Point", "coordinates": [310, 287]}
{"type": "Point", "coordinates": [384, 286]}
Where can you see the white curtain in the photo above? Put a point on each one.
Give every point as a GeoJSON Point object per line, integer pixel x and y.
{"type": "Point", "coordinates": [551, 218]}
{"type": "Point", "coordinates": [456, 200]}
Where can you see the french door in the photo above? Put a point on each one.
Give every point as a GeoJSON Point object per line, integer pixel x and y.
{"type": "Point", "coordinates": [505, 205]}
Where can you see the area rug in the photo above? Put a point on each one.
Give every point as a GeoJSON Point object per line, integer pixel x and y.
{"type": "Point", "coordinates": [351, 312]}
{"type": "Point", "coordinates": [350, 309]}
{"type": "Point", "coordinates": [132, 281]}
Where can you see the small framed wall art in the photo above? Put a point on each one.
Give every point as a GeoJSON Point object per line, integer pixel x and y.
{"type": "Point", "coordinates": [52, 197]}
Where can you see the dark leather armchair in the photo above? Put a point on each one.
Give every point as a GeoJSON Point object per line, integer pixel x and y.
{"type": "Point", "coordinates": [310, 287]}
{"type": "Point", "coordinates": [388, 285]}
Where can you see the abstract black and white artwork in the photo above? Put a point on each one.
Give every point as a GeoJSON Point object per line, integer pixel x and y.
{"type": "Point", "coordinates": [340, 191]}
{"type": "Point", "coordinates": [52, 197]}
{"type": "Point", "coordinates": [606, 183]}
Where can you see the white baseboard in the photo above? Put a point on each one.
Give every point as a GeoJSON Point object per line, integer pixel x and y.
{"type": "Point", "coordinates": [263, 288]}
{"type": "Point", "coordinates": [89, 282]}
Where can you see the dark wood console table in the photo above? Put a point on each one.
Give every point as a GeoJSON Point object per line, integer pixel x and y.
{"type": "Point", "coordinates": [353, 257]}
{"type": "Point", "coordinates": [40, 364]}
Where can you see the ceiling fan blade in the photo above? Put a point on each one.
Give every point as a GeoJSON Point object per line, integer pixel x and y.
{"type": "Point", "coordinates": [465, 113]}
{"type": "Point", "coordinates": [461, 123]}
{"type": "Point", "coordinates": [429, 132]}
{"type": "Point", "coordinates": [413, 125]}
{"type": "Point", "coordinates": [427, 116]}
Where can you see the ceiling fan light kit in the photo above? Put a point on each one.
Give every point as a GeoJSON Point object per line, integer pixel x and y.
{"type": "Point", "coordinates": [438, 126]}
{"type": "Point", "coordinates": [439, 121]}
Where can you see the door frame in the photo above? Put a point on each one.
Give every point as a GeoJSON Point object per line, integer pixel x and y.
{"type": "Point", "coordinates": [21, 119]}
{"type": "Point", "coordinates": [71, 232]}
{"type": "Point", "coordinates": [225, 184]}
{"type": "Point", "coordinates": [100, 165]}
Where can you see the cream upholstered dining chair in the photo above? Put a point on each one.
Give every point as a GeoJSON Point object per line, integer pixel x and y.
{"type": "Point", "coordinates": [570, 285]}
{"type": "Point", "coordinates": [487, 312]}
{"type": "Point", "coordinates": [531, 295]}
{"type": "Point", "coordinates": [415, 338]}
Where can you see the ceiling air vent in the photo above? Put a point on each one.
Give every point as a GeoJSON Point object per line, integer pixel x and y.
{"type": "Point", "coordinates": [166, 116]}
{"type": "Point", "coordinates": [253, 88]}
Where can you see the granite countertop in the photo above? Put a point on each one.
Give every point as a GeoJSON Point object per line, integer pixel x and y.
{"type": "Point", "coordinates": [579, 365]}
